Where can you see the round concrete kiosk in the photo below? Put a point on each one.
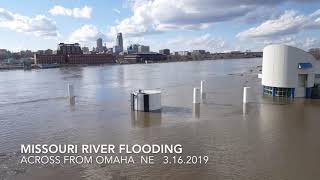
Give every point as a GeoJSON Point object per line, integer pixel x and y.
{"type": "Point", "coordinates": [146, 100]}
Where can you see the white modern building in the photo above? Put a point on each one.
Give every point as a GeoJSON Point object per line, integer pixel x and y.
{"type": "Point", "coordinates": [289, 72]}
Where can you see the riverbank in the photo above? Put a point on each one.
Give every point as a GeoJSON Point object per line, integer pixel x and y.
{"type": "Point", "coordinates": [119, 61]}
{"type": "Point", "coordinates": [10, 66]}
{"type": "Point", "coordinates": [34, 66]}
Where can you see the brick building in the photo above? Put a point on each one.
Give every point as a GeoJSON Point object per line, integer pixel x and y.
{"type": "Point", "coordinates": [74, 59]}
{"type": "Point", "coordinates": [49, 59]}
{"type": "Point", "coordinates": [90, 59]}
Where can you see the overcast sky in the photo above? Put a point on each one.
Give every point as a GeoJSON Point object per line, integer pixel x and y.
{"type": "Point", "coordinates": [213, 25]}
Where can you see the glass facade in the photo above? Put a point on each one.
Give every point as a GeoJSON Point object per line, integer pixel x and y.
{"type": "Point", "coordinates": [278, 92]}
{"type": "Point", "coordinates": [267, 90]}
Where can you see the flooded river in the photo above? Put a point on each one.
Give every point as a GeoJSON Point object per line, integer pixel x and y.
{"type": "Point", "coordinates": [273, 139]}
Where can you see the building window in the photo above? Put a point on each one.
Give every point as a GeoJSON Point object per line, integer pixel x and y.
{"type": "Point", "coordinates": [283, 92]}
{"type": "Point", "coordinates": [267, 90]}
{"type": "Point", "coordinates": [278, 92]}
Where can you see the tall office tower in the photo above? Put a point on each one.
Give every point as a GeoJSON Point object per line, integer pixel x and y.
{"type": "Point", "coordinates": [99, 45]}
{"type": "Point", "coordinates": [119, 42]}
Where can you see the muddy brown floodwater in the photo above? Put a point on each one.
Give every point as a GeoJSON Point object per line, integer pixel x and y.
{"type": "Point", "coordinates": [274, 139]}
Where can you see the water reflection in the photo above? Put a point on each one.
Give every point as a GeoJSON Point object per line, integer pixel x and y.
{"type": "Point", "coordinates": [245, 108]}
{"type": "Point", "coordinates": [71, 73]}
{"type": "Point", "coordinates": [196, 111]}
{"type": "Point", "coordinates": [248, 108]}
{"type": "Point", "coordinates": [72, 101]}
{"type": "Point", "coordinates": [145, 119]}
{"type": "Point", "coordinates": [277, 100]}
{"type": "Point", "coordinates": [204, 98]}
{"type": "Point", "coordinates": [175, 110]}
{"type": "Point", "coordinates": [284, 113]}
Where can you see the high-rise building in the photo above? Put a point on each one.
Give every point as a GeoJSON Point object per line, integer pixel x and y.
{"type": "Point", "coordinates": [119, 42]}
{"type": "Point", "coordinates": [165, 51]}
{"type": "Point", "coordinates": [133, 48]}
{"type": "Point", "coordinates": [26, 53]}
{"type": "Point", "coordinates": [3, 53]}
{"type": "Point", "coordinates": [143, 49]}
{"type": "Point", "coordinates": [198, 52]}
{"type": "Point", "coordinates": [85, 50]}
{"type": "Point", "coordinates": [48, 51]}
{"type": "Point", "coordinates": [183, 53]}
{"type": "Point", "coordinates": [116, 49]}
{"type": "Point", "coordinates": [137, 48]}
{"type": "Point", "coordinates": [99, 45]}
{"type": "Point", "coordinates": [40, 52]}
{"type": "Point", "coordinates": [110, 50]}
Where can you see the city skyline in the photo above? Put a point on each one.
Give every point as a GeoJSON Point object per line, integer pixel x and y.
{"type": "Point", "coordinates": [215, 26]}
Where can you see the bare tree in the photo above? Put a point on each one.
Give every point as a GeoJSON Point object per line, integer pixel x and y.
{"type": "Point", "coordinates": [315, 52]}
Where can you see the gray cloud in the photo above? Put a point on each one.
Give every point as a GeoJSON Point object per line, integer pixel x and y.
{"type": "Point", "coordinates": [160, 15]}
{"type": "Point", "coordinates": [290, 22]}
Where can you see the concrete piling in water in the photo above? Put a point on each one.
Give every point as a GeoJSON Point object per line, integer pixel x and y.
{"type": "Point", "coordinates": [196, 96]}
{"type": "Point", "coordinates": [70, 90]}
{"type": "Point", "coordinates": [246, 94]}
{"type": "Point", "coordinates": [244, 109]}
{"type": "Point", "coordinates": [196, 110]}
{"type": "Point", "coordinates": [202, 87]}
{"type": "Point", "coordinates": [248, 97]}
{"type": "Point", "coordinates": [202, 91]}
{"type": "Point", "coordinates": [71, 93]}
